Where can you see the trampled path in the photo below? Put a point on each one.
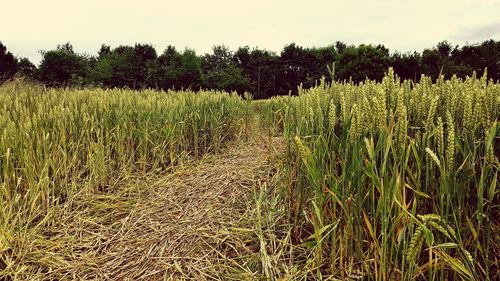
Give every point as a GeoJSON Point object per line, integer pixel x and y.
{"type": "Point", "coordinates": [168, 229]}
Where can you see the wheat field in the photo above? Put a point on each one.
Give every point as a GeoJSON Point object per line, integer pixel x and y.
{"type": "Point", "coordinates": [379, 181]}
{"type": "Point", "coordinates": [55, 141]}
{"type": "Point", "coordinates": [396, 180]}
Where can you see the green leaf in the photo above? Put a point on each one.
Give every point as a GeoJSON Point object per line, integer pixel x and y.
{"type": "Point", "coordinates": [448, 245]}
{"type": "Point", "coordinates": [429, 237]}
{"type": "Point", "coordinates": [318, 233]}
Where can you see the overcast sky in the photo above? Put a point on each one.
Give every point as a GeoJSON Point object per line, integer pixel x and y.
{"type": "Point", "coordinates": [29, 26]}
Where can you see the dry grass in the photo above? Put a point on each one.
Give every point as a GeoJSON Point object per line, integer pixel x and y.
{"type": "Point", "coordinates": [171, 226]}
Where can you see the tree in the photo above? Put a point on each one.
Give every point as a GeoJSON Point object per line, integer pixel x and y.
{"type": "Point", "coordinates": [363, 62]}
{"type": "Point", "coordinates": [340, 46]}
{"type": "Point", "coordinates": [476, 58]}
{"type": "Point", "coordinates": [104, 51]}
{"type": "Point", "coordinates": [431, 63]}
{"type": "Point", "coordinates": [190, 75]}
{"type": "Point", "coordinates": [126, 66]}
{"type": "Point", "coordinates": [438, 60]}
{"type": "Point", "coordinates": [297, 67]}
{"type": "Point", "coordinates": [260, 72]}
{"type": "Point", "coordinates": [63, 67]}
{"type": "Point", "coordinates": [221, 71]}
{"type": "Point", "coordinates": [323, 57]}
{"type": "Point", "coordinates": [167, 71]}
{"type": "Point", "coordinates": [260, 68]}
{"type": "Point", "coordinates": [145, 56]}
{"type": "Point", "coordinates": [26, 68]}
{"type": "Point", "coordinates": [178, 71]}
{"type": "Point", "coordinates": [407, 65]}
{"type": "Point", "coordinates": [8, 63]}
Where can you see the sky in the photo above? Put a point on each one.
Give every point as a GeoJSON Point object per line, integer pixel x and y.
{"type": "Point", "coordinates": [26, 27]}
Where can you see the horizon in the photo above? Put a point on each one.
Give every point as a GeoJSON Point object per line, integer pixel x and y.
{"type": "Point", "coordinates": [399, 26]}
{"type": "Point", "coordinates": [159, 51]}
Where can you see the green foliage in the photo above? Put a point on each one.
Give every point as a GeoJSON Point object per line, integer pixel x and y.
{"type": "Point", "coordinates": [63, 67]}
{"type": "Point", "coordinates": [261, 72]}
{"type": "Point", "coordinates": [221, 72]}
{"type": "Point", "coordinates": [178, 70]}
{"type": "Point", "coordinates": [8, 63]}
{"type": "Point", "coordinates": [26, 68]}
{"type": "Point", "coordinates": [125, 66]}
{"type": "Point", "coordinates": [363, 62]}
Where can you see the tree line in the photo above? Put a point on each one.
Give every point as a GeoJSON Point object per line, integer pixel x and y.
{"type": "Point", "coordinates": [260, 72]}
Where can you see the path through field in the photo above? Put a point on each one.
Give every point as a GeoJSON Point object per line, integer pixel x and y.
{"type": "Point", "coordinates": [171, 226]}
